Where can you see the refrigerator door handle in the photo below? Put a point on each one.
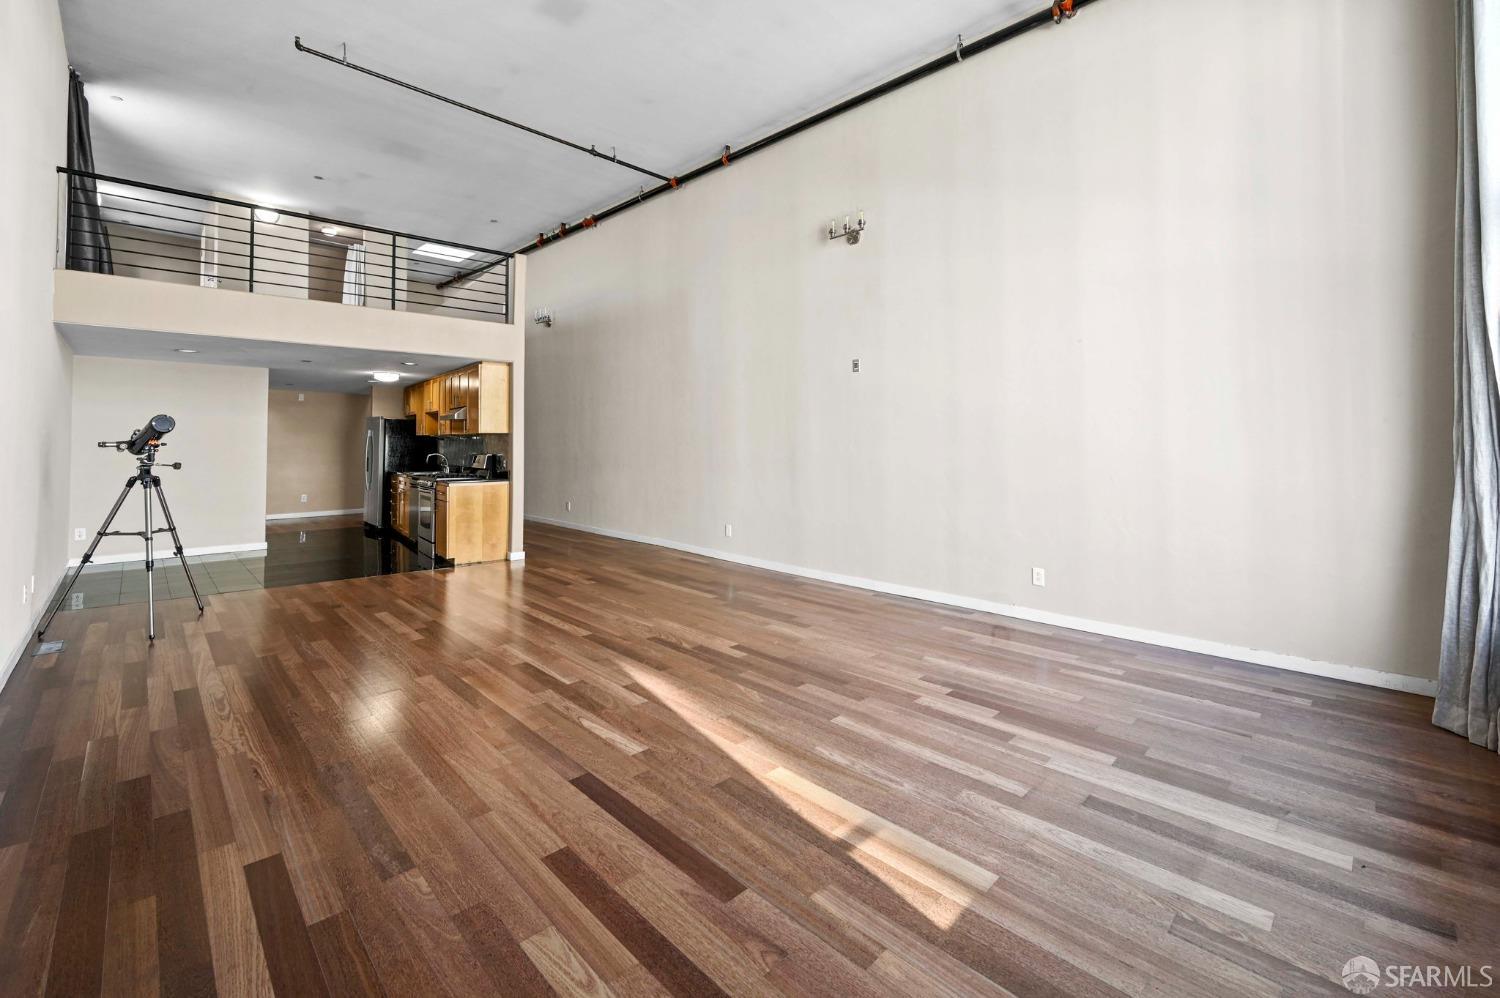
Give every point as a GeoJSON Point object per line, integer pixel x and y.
{"type": "Point", "coordinates": [369, 453]}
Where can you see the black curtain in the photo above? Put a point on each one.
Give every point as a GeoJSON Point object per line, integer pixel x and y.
{"type": "Point", "coordinates": [88, 242]}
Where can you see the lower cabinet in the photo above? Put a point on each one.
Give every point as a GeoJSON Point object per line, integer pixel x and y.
{"type": "Point", "coordinates": [473, 521]}
{"type": "Point", "coordinates": [398, 504]}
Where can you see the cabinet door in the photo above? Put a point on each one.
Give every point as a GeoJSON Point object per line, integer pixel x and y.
{"type": "Point", "coordinates": [493, 401]}
{"type": "Point", "coordinates": [440, 528]}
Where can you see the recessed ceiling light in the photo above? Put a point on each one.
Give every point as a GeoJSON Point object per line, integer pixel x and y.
{"type": "Point", "coordinates": [317, 176]}
{"type": "Point", "coordinates": [304, 362]}
{"type": "Point", "coordinates": [452, 254]}
{"type": "Point", "coordinates": [385, 377]}
{"type": "Point", "coordinates": [494, 220]}
{"type": "Point", "coordinates": [267, 215]}
{"type": "Point", "coordinates": [117, 97]}
{"type": "Point", "coordinates": [185, 350]}
{"type": "Point", "coordinates": [329, 230]}
{"type": "Point", "coordinates": [408, 363]}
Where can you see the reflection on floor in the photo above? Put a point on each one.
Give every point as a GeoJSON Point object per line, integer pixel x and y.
{"type": "Point", "coordinates": [297, 552]}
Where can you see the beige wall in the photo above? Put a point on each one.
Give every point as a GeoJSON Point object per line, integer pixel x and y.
{"type": "Point", "coordinates": [315, 447]}
{"type": "Point", "coordinates": [1159, 302]}
{"type": "Point", "coordinates": [154, 255]}
{"type": "Point", "coordinates": [219, 496]}
{"type": "Point", "coordinates": [122, 305]}
{"type": "Point", "coordinates": [37, 373]}
{"type": "Point", "coordinates": [387, 401]}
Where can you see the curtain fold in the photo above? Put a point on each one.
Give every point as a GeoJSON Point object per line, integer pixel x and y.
{"type": "Point", "coordinates": [354, 276]}
{"type": "Point", "coordinates": [88, 241]}
{"type": "Point", "coordinates": [1468, 699]}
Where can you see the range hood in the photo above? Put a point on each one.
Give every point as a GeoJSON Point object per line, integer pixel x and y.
{"type": "Point", "coordinates": [456, 414]}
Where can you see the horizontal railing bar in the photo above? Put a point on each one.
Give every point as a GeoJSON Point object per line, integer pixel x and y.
{"type": "Point", "coordinates": [420, 268]}
{"type": "Point", "coordinates": [406, 294]}
{"type": "Point", "coordinates": [69, 171]}
{"type": "Point", "coordinates": [240, 272]}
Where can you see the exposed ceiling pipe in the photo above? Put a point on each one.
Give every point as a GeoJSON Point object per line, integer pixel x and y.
{"type": "Point", "coordinates": [609, 157]}
{"type": "Point", "coordinates": [1054, 13]}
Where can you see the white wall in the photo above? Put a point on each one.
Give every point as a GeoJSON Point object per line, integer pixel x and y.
{"type": "Point", "coordinates": [37, 368]}
{"type": "Point", "coordinates": [1158, 300]}
{"type": "Point", "coordinates": [218, 498]}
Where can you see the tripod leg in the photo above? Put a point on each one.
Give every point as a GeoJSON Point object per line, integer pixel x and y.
{"type": "Point", "coordinates": [88, 556]}
{"type": "Point", "coordinates": [150, 567]}
{"type": "Point", "coordinates": [166, 512]}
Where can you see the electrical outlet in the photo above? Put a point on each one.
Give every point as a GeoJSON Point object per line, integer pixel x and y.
{"type": "Point", "coordinates": [854, 367]}
{"type": "Point", "coordinates": [728, 530]}
{"type": "Point", "coordinates": [301, 397]}
{"type": "Point", "coordinates": [1038, 576]}
{"type": "Point", "coordinates": [301, 537]}
{"type": "Point", "coordinates": [568, 505]}
{"type": "Point", "coordinates": [304, 497]}
{"type": "Point", "coordinates": [79, 533]}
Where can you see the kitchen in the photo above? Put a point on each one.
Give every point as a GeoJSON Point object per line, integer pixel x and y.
{"type": "Point", "coordinates": [438, 478]}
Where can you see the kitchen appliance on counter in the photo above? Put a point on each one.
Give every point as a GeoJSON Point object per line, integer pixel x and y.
{"type": "Point", "coordinates": [490, 467]}
{"type": "Point", "coordinates": [390, 445]}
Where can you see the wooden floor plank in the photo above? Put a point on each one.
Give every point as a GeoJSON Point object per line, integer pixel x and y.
{"type": "Point", "coordinates": [619, 769]}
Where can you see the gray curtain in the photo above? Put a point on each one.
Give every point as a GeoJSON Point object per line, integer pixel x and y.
{"type": "Point", "coordinates": [1468, 700]}
{"type": "Point", "coordinates": [88, 240]}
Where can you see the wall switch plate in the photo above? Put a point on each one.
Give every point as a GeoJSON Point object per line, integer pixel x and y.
{"type": "Point", "coordinates": [304, 497]}
{"type": "Point", "coordinates": [301, 397]}
{"type": "Point", "coordinates": [25, 595]}
{"type": "Point", "coordinates": [568, 505]}
{"type": "Point", "coordinates": [1039, 577]}
{"type": "Point", "coordinates": [854, 367]}
{"type": "Point", "coordinates": [32, 587]}
{"type": "Point", "coordinates": [79, 533]}
{"type": "Point", "coordinates": [728, 530]}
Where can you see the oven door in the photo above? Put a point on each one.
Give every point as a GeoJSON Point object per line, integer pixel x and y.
{"type": "Point", "coordinates": [425, 510]}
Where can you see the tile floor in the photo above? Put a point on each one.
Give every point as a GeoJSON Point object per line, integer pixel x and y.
{"type": "Point", "coordinates": [292, 557]}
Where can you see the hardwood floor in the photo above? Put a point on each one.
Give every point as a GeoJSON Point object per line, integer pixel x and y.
{"type": "Point", "coordinates": [621, 769]}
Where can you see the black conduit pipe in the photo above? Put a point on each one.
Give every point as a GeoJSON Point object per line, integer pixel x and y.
{"type": "Point", "coordinates": [611, 157]}
{"type": "Point", "coordinates": [952, 57]}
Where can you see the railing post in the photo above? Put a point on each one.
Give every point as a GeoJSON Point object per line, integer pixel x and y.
{"type": "Point", "coordinates": [250, 277]}
{"type": "Point", "coordinates": [393, 273]}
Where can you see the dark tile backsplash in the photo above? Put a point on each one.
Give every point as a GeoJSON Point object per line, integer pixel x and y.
{"type": "Point", "coordinates": [458, 450]}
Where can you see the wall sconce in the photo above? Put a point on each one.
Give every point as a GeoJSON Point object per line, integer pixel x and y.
{"type": "Point", "coordinates": [850, 233]}
{"type": "Point", "coordinates": [542, 317]}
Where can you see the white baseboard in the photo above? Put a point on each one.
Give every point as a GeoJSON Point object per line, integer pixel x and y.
{"type": "Point", "coordinates": [1276, 660]}
{"type": "Point", "coordinates": [38, 608]}
{"type": "Point", "coordinates": [164, 552]}
{"type": "Point", "coordinates": [314, 512]}
{"type": "Point", "coordinates": [516, 556]}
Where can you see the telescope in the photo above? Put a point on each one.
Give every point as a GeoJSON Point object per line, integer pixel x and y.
{"type": "Point", "coordinates": [142, 444]}
{"type": "Point", "coordinates": [147, 436]}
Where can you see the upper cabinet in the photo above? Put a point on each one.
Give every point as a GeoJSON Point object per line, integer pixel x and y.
{"type": "Point", "coordinates": [470, 400]}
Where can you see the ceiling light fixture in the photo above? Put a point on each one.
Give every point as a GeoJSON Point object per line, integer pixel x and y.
{"type": "Point", "coordinates": [317, 176]}
{"type": "Point", "coordinates": [184, 350]}
{"type": "Point", "coordinates": [329, 230]}
{"type": "Point", "coordinates": [437, 251]}
{"type": "Point", "coordinates": [117, 98]}
{"type": "Point", "coordinates": [267, 215]}
{"type": "Point", "coordinates": [408, 363]}
{"type": "Point", "coordinates": [385, 377]}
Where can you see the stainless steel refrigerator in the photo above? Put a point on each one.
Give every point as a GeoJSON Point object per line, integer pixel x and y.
{"type": "Point", "coordinates": [390, 445]}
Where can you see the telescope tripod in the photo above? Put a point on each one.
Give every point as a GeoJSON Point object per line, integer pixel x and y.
{"type": "Point", "coordinates": [150, 485]}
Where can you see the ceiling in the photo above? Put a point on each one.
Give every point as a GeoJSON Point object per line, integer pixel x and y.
{"type": "Point", "coordinates": [292, 365]}
{"type": "Point", "coordinates": [216, 99]}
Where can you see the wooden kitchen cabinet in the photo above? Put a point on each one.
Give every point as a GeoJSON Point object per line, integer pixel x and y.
{"type": "Point", "coordinates": [473, 521]}
{"type": "Point", "coordinates": [481, 392]}
{"type": "Point", "coordinates": [398, 505]}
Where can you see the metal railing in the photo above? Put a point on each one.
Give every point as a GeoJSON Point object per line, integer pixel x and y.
{"type": "Point", "coordinates": [112, 225]}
